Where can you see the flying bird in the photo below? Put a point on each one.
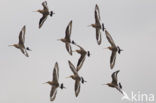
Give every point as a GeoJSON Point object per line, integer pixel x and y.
{"type": "Point", "coordinates": [75, 77]}
{"type": "Point", "coordinates": [21, 42]}
{"type": "Point", "coordinates": [67, 40]}
{"type": "Point", "coordinates": [114, 83]}
{"type": "Point", "coordinates": [98, 26]}
{"type": "Point", "coordinates": [113, 48]}
{"type": "Point", "coordinates": [54, 83]}
{"type": "Point", "coordinates": [83, 54]}
{"type": "Point", "coordinates": [45, 12]}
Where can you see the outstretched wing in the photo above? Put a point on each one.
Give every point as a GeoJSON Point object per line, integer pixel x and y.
{"type": "Point", "coordinates": [42, 20]}
{"type": "Point", "coordinates": [112, 59]}
{"type": "Point", "coordinates": [98, 36]}
{"type": "Point", "coordinates": [77, 87]}
{"type": "Point", "coordinates": [56, 73]}
{"type": "Point", "coordinates": [114, 77]}
{"type": "Point", "coordinates": [97, 15]}
{"type": "Point", "coordinates": [53, 93]}
{"type": "Point", "coordinates": [68, 48]}
{"type": "Point", "coordinates": [44, 4]}
{"type": "Point", "coordinates": [80, 62]}
{"type": "Point", "coordinates": [109, 38]}
{"type": "Point", "coordinates": [72, 67]}
{"type": "Point", "coordinates": [98, 11]}
{"type": "Point", "coordinates": [68, 31]}
{"type": "Point", "coordinates": [22, 35]}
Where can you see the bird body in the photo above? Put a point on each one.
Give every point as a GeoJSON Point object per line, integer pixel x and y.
{"type": "Point", "coordinates": [83, 54]}
{"type": "Point", "coordinates": [75, 77]}
{"type": "Point", "coordinates": [97, 25]}
{"type": "Point", "coordinates": [54, 83]}
{"type": "Point", "coordinates": [114, 83]}
{"type": "Point", "coordinates": [21, 42]}
{"type": "Point", "coordinates": [45, 12]}
{"type": "Point", "coordinates": [66, 39]}
{"type": "Point", "coordinates": [113, 48]}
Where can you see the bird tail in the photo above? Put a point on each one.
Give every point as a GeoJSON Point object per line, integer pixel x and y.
{"type": "Point", "coordinates": [103, 27]}
{"type": "Point", "coordinates": [51, 13]}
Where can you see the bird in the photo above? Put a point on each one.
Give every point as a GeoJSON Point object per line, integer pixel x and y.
{"type": "Point", "coordinates": [45, 12]}
{"type": "Point", "coordinates": [113, 48]}
{"type": "Point", "coordinates": [98, 26]}
{"type": "Point", "coordinates": [67, 39]}
{"type": "Point", "coordinates": [54, 83]}
{"type": "Point", "coordinates": [75, 77]}
{"type": "Point", "coordinates": [83, 54]}
{"type": "Point", "coordinates": [21, 42]}
{"type": "Point", "coordinates": [114, 83]}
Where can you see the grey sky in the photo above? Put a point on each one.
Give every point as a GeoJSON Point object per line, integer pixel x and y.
{"type": "Point", "coordinates": [131, 23]}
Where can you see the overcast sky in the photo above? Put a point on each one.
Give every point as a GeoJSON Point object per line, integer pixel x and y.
{"type": "Point", "coordinates": [131, 23]}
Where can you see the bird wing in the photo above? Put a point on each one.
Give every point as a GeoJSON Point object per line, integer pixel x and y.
{"type": "Point", "coordinates": [80, 62]}
{"type": "Point", "coordinates": [120, 85]}
{"type": "Point", "coordinates": [98, 11]}
{"type": "Point", "coordinates": [53, 93]}
{"type": "Point", "coordinates": [114, 77]}
{"type": "Point", "coordinates": [22, 35]}
{"type": "Point", "coordinates": [68, 48]}
{"type": "Point", "coordinates": [42, 20]}
{"type": "Point", "coordinates": [72, 67]}
{"type": "Point", "coordinates": [68, 31]}
{"type": "Point", "coordinates": [56, 73]}
{"type": "Point", "coordinates": [112, 59]}
{"type": "Point", "coordinates": [44, 4]}
{"type": "Point", "coordinates": [77, 87]}
{"type": "Point", "coordinates": [26, 53]}
{"type": "Point", "coordinates": [119, 89]}
{"type": "Point", "coordinates": [110, 39]}
{"type": "Point", "coordinates": [98, 36]}
{"type": "Point", "coordinates": [79, 46]}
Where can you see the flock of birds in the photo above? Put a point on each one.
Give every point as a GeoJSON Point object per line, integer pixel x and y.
{"type": "Point", "coordinates": [68, 42]}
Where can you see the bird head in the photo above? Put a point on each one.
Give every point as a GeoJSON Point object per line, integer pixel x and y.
{"type": "Point", "coordinates": [14, 45]}
{"type": "Point", "coordinates": [37, 11]}
{"type": "Point", "coordinates": [48, 82]}
{"type": "Point", "coordinates": [93, 25]}
{"type": "Point", "coordinates": [69, 76]}
{"type": "Point", "coordinates": [109, 84]}
{"type": "Point", "coordinates": [61, 39]}
{"type": "Point", "coordinates": [110, 48]}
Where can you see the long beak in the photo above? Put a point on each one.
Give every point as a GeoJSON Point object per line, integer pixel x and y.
{"type": "Point", "coordinates": [68, 77]}
{"type": "Point", "coordinates": [10, 45]}
{"type": "Point", "coordinates": [44, 83]}
{"type": "Point", "coordinates": [106, 48]}
{"type": "Point", "coordinates": [74, 51]}
{"type": "Point", "coordinates": [89, 25]}
{"type": "Point", "coordinates": [35, 11]}
{"type": "Point", "coordinates": [58, 39]}
{"type": "Point", "coordinates": [103, 84]}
